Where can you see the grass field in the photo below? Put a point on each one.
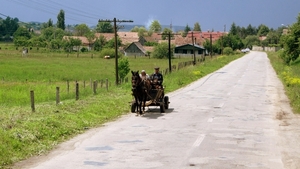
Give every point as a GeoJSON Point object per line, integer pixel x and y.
{"type": "Point", "coordinates": [25, 133]}
{"type": "Point", "coordinates": [290, 76]}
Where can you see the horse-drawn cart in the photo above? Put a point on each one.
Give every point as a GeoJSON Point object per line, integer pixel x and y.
{"type": "Point", "coordinates": [156, 97]}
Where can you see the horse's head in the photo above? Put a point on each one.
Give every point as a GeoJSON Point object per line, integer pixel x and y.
{"type": "Point", "coordinates": [135, 79]}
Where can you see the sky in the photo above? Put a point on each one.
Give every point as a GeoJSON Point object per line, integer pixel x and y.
{"type": "Point", "coordinates": [217, 15]}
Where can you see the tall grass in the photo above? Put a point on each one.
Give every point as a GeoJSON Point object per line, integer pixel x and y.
{"type": "Point", "coordinates": [290, 76]}
{"type": "Point", "coordinates": [24, 133]}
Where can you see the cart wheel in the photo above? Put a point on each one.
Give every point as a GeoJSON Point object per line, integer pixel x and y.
{"type": "Point", "coordinates": [133, 107]}
{"type": "Point", "coordinates": [166, 101]}
{"type": "Point", "coordinates": [162, 107]}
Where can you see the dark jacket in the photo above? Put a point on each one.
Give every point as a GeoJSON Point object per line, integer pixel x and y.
{"type": "Point", "coordinates": [157, 76]}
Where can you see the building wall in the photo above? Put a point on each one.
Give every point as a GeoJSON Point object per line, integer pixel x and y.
{"type": "Point", "coordinates": [133, 50]}
{"type": "Point", "coordinates": [269, 49]}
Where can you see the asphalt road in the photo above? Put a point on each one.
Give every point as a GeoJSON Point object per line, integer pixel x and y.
{"type": "Point", "coordinates": [236, 117]}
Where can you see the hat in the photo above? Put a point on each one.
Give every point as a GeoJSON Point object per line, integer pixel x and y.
{"type": "Point", "coordinates": [143, 71]}
{"type": "Point", "coordinates": [156, 68]}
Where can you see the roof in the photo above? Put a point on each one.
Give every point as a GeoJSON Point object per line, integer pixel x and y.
{"type": "Point", "coordinates": [190, 45]}
{"type": "Point", "coordinates": [83, 39]}
{"type": "Point", "coordinates": [214, 35]}
{"type": "Point", "coordinates": [108, 36]}
{"type": "Point", "coordinates": [126, 37]}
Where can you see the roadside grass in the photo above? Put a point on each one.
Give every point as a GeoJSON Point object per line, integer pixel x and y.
{"type": "Point", "coordinates": [24, 133]}
{"type": "Point", "coordinates": [290, 77]}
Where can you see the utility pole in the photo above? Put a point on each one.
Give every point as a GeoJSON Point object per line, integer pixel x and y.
{"type": "Point", "coordinates": [210, 46]}
{"type": "Point", "coordinates": [169, 41]}
{"type": "Point", "coordinates": [194, 62]}
{"type": "Point", "coordinates": [116, 43]}
{"type": "Point", "coordinates": [223, 39]}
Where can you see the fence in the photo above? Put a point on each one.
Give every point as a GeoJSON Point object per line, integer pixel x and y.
{"type": "Point", "coordinates": [94, 85]}
{"type": "Point", "coordinates": [103, 83]}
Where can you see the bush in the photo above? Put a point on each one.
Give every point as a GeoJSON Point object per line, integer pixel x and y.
{"type": "Point", "coordinates": [84, 49]}
{"type": "Point", "coordinates": [109, 52]}
{"type": "Point", "coordinates": [228, 51]}
{"type": "Point", "coordinates": [123, 66]}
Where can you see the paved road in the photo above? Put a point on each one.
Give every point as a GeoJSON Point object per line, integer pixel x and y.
{"type": "Point", "coordinates": [236, 117]}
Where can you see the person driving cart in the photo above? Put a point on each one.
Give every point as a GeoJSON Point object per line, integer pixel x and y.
{"type": "Point", "coordinates": [157, 78]}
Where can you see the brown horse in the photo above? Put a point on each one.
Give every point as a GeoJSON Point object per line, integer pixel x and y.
{"type": "Point", "coordinates": [140, 91]}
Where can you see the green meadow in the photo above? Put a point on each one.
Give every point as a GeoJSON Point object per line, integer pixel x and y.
{"type": "Point", "coordinates": [25, 133]}
{"type": "Point", "coordinates": [290, 77]}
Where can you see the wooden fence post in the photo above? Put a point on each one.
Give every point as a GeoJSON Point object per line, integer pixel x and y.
{"type": "Point", "coordinates": [68, 86]}
{"type": "Point", "coordinates": [106, 84]}
{"type": "Point", "coordinates": [32, 100]}
{"type": "Point", "coordinates": [101, 83]}
{"type": "Point", "coordinates": [57, 96]}
{"type": "Point", "coordinates": [77, 91]}
{"type": "Point", "coordinates": [95, 86]}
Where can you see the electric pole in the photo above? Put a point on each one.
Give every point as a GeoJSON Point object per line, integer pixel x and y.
{"type": "Point", "coordinates": [116, 43]}
{"type": "Point", "coordinates": [210, 45]}
{"type": "Point", "coordinates": [169, 41]}
{"type": "Point", "coordinates": [194, 62]}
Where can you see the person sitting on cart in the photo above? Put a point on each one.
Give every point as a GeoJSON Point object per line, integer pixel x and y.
{"type": "Point", "coordinates": [157, 78]}
{"type": "Point", "coordinates": [144, 75]}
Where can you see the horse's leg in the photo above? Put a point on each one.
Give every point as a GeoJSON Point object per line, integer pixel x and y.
{"type": "Point", "coordinates": [140, 106]}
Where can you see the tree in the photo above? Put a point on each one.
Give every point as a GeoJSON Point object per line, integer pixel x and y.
{"type": "Point", "coordinates": [99, 43]}
{"type": "Point", "coordinates": [82, 30]}
{"type": "Point", "coordinates": [135, 29]}
{"type": "Point", "coordinates": [165, 33]}
{"type": "Point", "coordinates": [233, 29]}
{"type": "Point", "coordinates": [186, 30]}
{"type": "Point", "coordinates": [104, 27]}
{"type": "Point", "coordinates": [291, 43]}
{"type": "Point", "coordinates": [111, 43]}
{"type": "Point", "coordinates": [142, 31]}
{"type": "Point", "coordinates": [61, 20]}
{"type": "Point", "coordinates": [8, 26]}
{"type": "Point", "coordinates": [251, 40]}
{"type": "Point", "coordinates": [161, 51]}
{"type": "Point", "coordinates": [22, 32]}
{"type": "Point", "coordinates": [263, 30]}
{"type": "Point", "coordinates": [50, 23]}
{"type": "Point", "coordinates": [155, 26]}
{"type": "Point", "coordinates": [197, 27]}
{"type": "Point", "coordinates": [251, 30]}
{"type": "Point", "coordinates": [123, 67]}
{"type": "Point", "coordinates": [90, 35]}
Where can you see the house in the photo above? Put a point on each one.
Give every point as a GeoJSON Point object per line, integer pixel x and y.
{"type": "Point", "coordinates": [84, 41]}
{"type": "Point", "coordinates": [126, 37]}
{"type": "Point", "coordinates": [188, 49]}
{"type": "Point", "coordinates": [136, 49]}
{"type": "Point", "coordinates": [155, 37]}
{"type": "Point", "coordinates": [214, 35]}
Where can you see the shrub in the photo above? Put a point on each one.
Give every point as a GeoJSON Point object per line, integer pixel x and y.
{"type": "Point", "coordinates": [84, 49]}
{"type": "Point", "coordinates": [109, 52]}
{"type": "Point", "coordinates": [228, 51]}
{"type": "Point", "coordinates": [123, 66]}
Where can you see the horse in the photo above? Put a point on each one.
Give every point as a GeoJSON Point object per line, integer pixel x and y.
{"type": "Point", "coordinates": [140, 89]}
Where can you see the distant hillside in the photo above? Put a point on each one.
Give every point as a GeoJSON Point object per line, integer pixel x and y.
{"type": "Point", "coordinates": [126, 28]}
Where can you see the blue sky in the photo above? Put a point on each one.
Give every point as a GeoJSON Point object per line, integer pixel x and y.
{"type": "Point", "coordinates": [211, 14]}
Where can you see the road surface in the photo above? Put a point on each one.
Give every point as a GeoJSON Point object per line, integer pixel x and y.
{"type": "Point", "coordinates": [236, 117]}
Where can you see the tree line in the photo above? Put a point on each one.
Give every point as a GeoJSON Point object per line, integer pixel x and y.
{"type": "Point", "coordinates": [51, 36]}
